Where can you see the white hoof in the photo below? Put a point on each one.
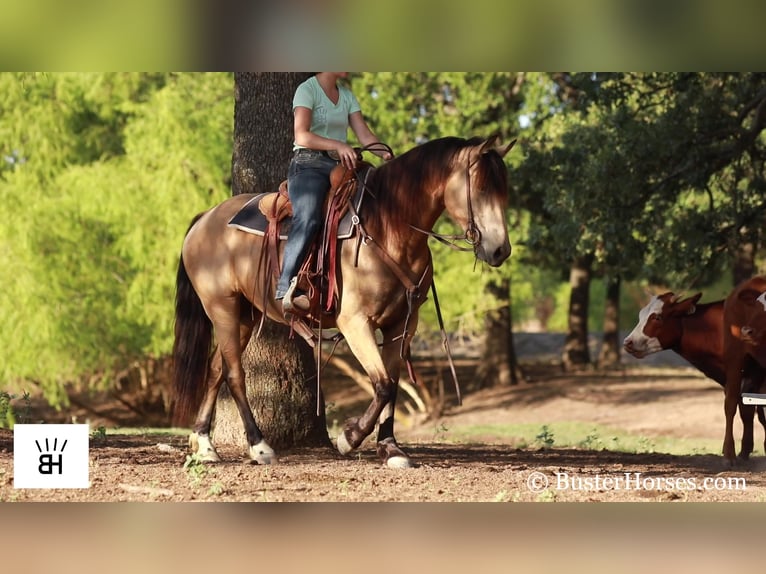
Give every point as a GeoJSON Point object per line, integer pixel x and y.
{"type": "Point", "coordinates": [201, 446]}
{"type": "Point", "coordinates": [343, 447]}
{"type": "Point", "coordinates": [399, 462]}
{"type": "Point", "coordinates": [262, 453]}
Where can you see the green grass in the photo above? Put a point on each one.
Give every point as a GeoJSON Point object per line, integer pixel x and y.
{"type": "Point", "coordinates": [573, 434]}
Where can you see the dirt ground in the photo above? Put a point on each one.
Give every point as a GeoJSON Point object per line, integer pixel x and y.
{"type": "Point", "coordinates": [648, 401]}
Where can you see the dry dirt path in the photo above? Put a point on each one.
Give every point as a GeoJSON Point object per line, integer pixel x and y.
{"type": "Point", "coordinates": [676, 403]}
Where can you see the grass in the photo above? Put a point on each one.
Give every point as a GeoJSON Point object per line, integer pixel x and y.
{"type": "Point", "coordinates": [573, 434]}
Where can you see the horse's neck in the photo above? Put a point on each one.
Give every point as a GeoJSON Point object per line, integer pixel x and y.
{"type": "Point", "coordinates": [402, 232]}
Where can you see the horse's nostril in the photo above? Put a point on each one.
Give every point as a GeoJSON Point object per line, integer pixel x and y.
{"type": "Point", "coordinates": [501, 254]}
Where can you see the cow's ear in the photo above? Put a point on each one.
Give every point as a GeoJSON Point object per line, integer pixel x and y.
{"type": "Point", "coordinates": [693, 303]}
{"type": "Point", "coordinates": [687, 306]}
{"type": "Point", "coordinates": [748, 295]}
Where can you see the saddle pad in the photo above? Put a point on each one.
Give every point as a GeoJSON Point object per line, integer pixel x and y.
{"type": "Point", "coordinates": [251, 220]}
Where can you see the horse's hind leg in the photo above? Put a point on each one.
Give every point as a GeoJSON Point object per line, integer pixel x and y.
{"type": "Point", "coordinates": [233, 326]}
{"type": "Point", "coordinates": [233, 332]}
{"type": "Point", "coordinates": [199, 440]}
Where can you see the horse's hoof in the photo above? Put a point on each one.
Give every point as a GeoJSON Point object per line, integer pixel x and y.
{"type": "Point", "coordinates": [262, 453]}
{"type": "Point", "coordinates": [343, 445]}
{"type": "Point", "coordinates": [391, 455]}
{"type": "Point", "coordinates": [202, 447]}
{"type": "Point", "coordinates": [399, 462]}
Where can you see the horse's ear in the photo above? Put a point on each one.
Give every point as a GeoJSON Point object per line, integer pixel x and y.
{"type": "Point", "coordinates": [491, 144]}
{"type": "Point", "coordinates": [502, 150]}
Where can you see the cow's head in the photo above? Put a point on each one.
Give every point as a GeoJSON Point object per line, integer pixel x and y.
{"type": "Point", "coordinates": [753, 330]}
{"type": "Point", "coordinates": [659, 324]}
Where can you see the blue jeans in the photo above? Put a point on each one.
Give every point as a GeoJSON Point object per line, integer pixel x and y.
{"type": "Point", "coordinates": [308, 181]}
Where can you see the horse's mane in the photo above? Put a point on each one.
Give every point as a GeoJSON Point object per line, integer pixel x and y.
{"type": "Point", "coordinates": [405, 186]}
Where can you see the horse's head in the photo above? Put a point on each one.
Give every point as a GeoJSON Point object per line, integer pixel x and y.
{"type": "Point", "coordinates": [476, 197]}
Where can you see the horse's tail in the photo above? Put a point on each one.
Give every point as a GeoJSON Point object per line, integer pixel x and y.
{"type": "Point", "coordinates": [191, 348]}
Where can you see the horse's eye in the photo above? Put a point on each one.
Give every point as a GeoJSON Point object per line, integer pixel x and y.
{"type": "Point", "coordinates": [656, 317]}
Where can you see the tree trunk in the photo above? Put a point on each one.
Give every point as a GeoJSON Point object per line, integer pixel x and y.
{"type": "Point", "coordinates": [280, 372]}
{"type": "Point", "coordinates": [576, 353]}
{"type": "Point", "coordinates": [499, 365]}
{"type": "Point", "coordinates": [744, 259]}
{"type": "Point", "coordinates": [610, 344]}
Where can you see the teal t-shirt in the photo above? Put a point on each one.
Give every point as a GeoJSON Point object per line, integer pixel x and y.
{"type": "Point", "coordinates": [327, 119]}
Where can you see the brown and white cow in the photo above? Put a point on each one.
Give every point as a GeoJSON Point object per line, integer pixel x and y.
{"type": "Point", "coordinates": [744, 350]}
{"type": "Point", "coordinates": [694, 331]}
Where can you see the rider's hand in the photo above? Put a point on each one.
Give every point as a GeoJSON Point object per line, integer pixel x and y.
{"type": "Point", "coordinates": [347, 155]}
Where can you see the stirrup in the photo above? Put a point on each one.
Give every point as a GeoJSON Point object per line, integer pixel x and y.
{"type": "Point", "coordinates": [289, 301]}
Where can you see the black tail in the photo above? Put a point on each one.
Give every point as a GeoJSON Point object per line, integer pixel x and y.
{"type": "Point", "coordinates": [191, 349]}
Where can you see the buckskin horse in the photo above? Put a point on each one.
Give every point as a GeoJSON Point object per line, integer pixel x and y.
{"type": "Point", "coordinates": [382, 279]}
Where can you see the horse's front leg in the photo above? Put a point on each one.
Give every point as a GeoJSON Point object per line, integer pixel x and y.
{"type": "Point", "coordinates": [361, 339]}
{"type": "Point", "coordinates": [388, 449]}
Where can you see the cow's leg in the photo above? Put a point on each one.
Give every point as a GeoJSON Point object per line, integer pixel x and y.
{"type": "Point", "coordinates": [746, 415]}
{"type": "Point", "coordinates": [747, 412]}
{"type": "Point", "coordinates": [752, 379]}
{"type": "Point", "coordinates": [732, 398]}
{"type": "Point", "coordinates": [759, 384]}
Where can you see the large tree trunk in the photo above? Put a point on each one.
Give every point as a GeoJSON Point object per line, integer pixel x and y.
{"type": "Point", "coordinates": [280, 372]}
{"type": "Point", "coordinates": [576, 353]}
{"type": "Point", "coordinates": [744, 258]}
{"type": "Point", "coordinates": [499, 365]}
{"type": "Point", "coordinates": [610, 344]}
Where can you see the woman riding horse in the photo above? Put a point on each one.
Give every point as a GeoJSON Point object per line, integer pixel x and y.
{"type": "Point", "coordinates": [382, 280]}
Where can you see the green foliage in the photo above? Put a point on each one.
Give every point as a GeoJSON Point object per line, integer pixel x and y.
{"type": "Point", "coordinates": [545, 437]}
{"type": "Point", "coordinates": [9, 414]}
{"type": "Point", "coordinates": [660, 176]}
{"type": "Point", "coordinates": [99, 434]}
{"type": "Point", "coordinates": [102, 174]}
{"type": "Point", "coordinates": [7, 418]}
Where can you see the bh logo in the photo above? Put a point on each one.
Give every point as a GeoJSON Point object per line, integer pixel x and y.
{"type": "Point", "coordinates": [50, 456]}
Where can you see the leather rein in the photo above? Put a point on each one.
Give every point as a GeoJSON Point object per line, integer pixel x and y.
{"type": "Point", "coordinates": [472, 234]}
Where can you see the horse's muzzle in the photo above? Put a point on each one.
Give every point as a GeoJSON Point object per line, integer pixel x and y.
{"type": "Point", "coordinates": [495, 257]}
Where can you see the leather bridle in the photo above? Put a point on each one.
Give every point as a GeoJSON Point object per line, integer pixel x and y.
{"type": "Point", "coordinates": [472, 235]}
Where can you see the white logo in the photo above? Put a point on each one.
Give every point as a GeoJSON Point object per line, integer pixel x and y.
{"type": "Point", "coordinates": [50, 456]}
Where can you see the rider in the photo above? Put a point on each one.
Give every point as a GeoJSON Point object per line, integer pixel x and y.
{"type": "Point", "coordinates": [323, 110]}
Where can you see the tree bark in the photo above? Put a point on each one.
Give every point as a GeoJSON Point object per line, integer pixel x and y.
{"type": "Point", "coordinates": [743, 267]}
{"type": "Point", "coordinates": [499, 366]}
{"type": "Point", "coordinates": [280, 372]}
{"type": "Point", "coordinates": [576, 353]}
{"type": "Point", "coordinates": [610, 344]}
